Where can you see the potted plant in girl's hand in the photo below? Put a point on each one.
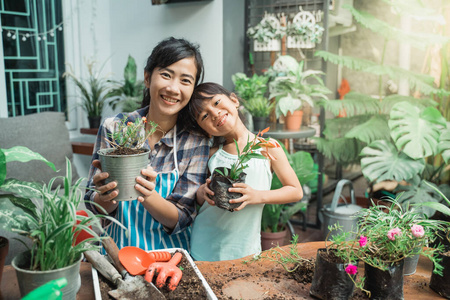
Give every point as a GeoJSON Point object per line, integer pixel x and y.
{"type": "Point", "coordinates": [128, 156]}
{"type": "Point", "coordinates": [294, 89]}
{"type": "Point", "coordinates": [386, 236]}
{"type": "Point", "coordinates": [223, 178]}
{"type": "Point", "coordinates": [49, 217]}
{"type": "Point", "coordinates": [95, 91]}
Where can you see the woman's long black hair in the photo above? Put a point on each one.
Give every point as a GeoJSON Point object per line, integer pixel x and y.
{"type": "Point", "coordinates": [168, 52]}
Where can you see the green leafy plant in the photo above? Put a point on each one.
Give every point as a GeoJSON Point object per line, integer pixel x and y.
{"type": "Point", "coordinates": [252, 92]}
{"type": "Point", "coordinates": [128, 92]}
{"type": "Point", "coordinates": [295, 87]}
{"type": "Point", "coordinates": [95, 90]}
{"type": "Point", "coordinates": [386, 235]}
{"type": "Point", "coordinates": [131, 135]}
{"type": "Point", "coordinates": [248, 153]}
{"type": "Point", "coordinates": [267, 29]}
{"type": "Point", "coordinates": [276, 216]}
{"type": "Point", "coordinates": [58, 231]}
{"type": "Point", "coordinates": [393, 137]}
{"type": "Point", "coordinates": [305, 31]}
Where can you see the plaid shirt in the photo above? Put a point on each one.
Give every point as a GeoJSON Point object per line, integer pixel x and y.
{"type": "Point", "coordinates": [192, 156]}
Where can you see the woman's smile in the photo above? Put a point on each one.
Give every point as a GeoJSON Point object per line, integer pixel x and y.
{"type": "Point", "coordinates": [169, 99]}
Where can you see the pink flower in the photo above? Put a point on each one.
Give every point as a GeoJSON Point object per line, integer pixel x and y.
{"type": "Point", "coordinates": [417, 231]}
{"type": "Point", "coordinates": [362, 241]}
{"type": "Point", "coordinates": [351, 269]}
{"type": "Point", "coordinates": [393, 232]}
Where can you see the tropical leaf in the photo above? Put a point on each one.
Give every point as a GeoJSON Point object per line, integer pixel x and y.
{"type": "Point", "coordinates": [382, 161]}
{"type": "Point", "coordinates": [22, 188]}
{"type": "Point", "coordinates": [415, 132]}
{"type": "Point", "coordinates": [338, 127]}
{"type": "Point", "coordinates": [376, 128]}
{"type": "Point", "coordinates": [344, 151]}
{"type": "Point", "coordinates": [444, 144]}
{"type": "Point", "coordinates": [353, 104]}
{"type": "Point", "coordinates": [415, 39]}
{"type": "Point", "coordinates": [389, 101]}
{"type": "Point", "coordinates": [357, 64]}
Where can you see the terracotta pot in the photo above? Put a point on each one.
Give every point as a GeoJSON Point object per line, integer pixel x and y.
{"type": "Point", "coordinates": [272, 239]}
{"type": "Point", "coordinates": [293, 121]}
{"type": "Point", "coordinates": [4, 247]}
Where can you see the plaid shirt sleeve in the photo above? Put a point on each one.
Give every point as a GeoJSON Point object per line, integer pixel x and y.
{"type": "Point", "coordinates": [194, 154]}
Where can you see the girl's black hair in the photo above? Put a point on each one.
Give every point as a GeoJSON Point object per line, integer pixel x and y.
{"type": "Point", "coordinates": [168, 52]}
{"type": "Point", "coordinates": [204, 92]}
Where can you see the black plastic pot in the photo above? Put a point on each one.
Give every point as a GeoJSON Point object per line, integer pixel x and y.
{"type": "Point", "coordinates": [440, 284]}
{"type": "Point", "coordinates": [94, 122]}
{"type": "Point", "coordinates": [330, 280]}
{"type": "Point", "coordinates": [384, 284]}
{"type": "Point", "coordinates": [220, 185]}
{"type": "Point", "coordinates": [260, 123]}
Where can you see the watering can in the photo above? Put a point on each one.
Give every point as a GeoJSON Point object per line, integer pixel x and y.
{"type": "Point", "coordinates": [343, 213]}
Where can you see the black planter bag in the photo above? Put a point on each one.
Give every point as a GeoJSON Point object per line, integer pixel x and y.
{"type": "Point", "coordinates": [441, 284]}
{"type": "Point", "coordinates": [220, 185]}
{"type": "Point", "coordinates": [330, 280]}
{"type": "Point", "coordinates": [384, 285]}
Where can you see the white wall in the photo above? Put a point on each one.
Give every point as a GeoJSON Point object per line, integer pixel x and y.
{"type": "Point", "coordinates": [110, 30]}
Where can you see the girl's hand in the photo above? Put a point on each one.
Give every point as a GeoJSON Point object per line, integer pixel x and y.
{"type": "Point", "coordinates": [204, 192]}
{"type": "Point", "coordinates": [105, 193]}
{"type": "Point", "coordinates": [146, 185]}
{"type": "Point", "coordinates": [249, 195]}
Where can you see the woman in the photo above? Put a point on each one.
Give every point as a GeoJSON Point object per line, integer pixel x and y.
{"type": "Point", "coordinates": [177, 162]}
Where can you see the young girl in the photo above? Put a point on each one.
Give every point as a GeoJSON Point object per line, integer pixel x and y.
{"type": "Point", "coordinates": [218, 234]}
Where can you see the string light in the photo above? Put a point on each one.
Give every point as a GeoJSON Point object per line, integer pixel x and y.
{"type": "Point", "coordinates": [39, 36]}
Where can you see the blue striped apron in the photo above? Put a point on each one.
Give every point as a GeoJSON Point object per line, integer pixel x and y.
{"type": "Point", "coordinates": [144, 231]}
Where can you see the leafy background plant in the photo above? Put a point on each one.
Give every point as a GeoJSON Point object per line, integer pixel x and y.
{"type": "Point", "coordinates": [394, 137]}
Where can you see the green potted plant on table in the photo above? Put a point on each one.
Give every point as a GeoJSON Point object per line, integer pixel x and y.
{"type": "Point", "coordinates": [128, 92]}
{"type": "Point", "coordinates": [387, 234]}
{"type": "Point", "coordinates": [251, 91]}
{"type": "Point", "coordinates": [48, 216]}
{"type": "Point", "coordinates": [294, 88]}
{"type": "Point", "coordinates": [95, 91]}
{"type": "Point", "coordinates": [275, 217]}
{"type": "Point", "coordinates": [128, 156]}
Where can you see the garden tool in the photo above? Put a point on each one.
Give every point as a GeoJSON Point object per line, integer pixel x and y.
{"type": "Point", "coordinates": [134, 283]}
{"type": "Point", "coordinates": [166, 270]}
{"type": "Point", "coordinates": [137, 260]}
{"type": "Point", "coordinates": [113, 252]}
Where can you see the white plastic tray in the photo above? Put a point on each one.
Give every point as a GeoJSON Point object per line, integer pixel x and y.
{"type": "Point", "coordinates": [209, 292]}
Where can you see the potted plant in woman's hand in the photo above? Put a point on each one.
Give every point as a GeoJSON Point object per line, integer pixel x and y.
{"type": "Point", "coordinates": [95, 91]}
{"type": "Point", "coordinates": [293, 89]}
{"type": "Point", "coordinates": [223, 178]}
{"type": "Point", "coordinates": [128, 156]}
{"type": "Point", "coordinates": [49, 217]}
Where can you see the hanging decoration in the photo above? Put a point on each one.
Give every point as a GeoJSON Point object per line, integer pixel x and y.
{"type": "Point", "coordinates": [303, 31]}
{"type": "Point", "coordinates": [267, 34]}
{"type": "Point", "coordinates": [41, 36]}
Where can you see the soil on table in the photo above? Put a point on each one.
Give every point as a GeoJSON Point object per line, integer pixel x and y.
{"type": "Point", "coordinates": [189, 287]}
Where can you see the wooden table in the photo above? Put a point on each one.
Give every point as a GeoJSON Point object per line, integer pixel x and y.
{"type": "Point", "coordinates": [254, 278]}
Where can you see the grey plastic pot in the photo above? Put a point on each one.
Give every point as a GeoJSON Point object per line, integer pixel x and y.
{"type": "Point", "coordinates": [30, 280]}
{"type": "Point", "coordinates": [124, 169]}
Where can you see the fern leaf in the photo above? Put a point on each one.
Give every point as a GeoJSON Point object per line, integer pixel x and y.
{"type": "Point", "coordinates": [389, 101]}
{"type": "Point", "coordinates": [357, 64]}
{"type": "Point", "coordinates": [344, 151]}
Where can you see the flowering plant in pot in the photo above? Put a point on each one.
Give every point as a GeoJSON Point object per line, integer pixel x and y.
{"type": "Point", "coordinates": [223, 178]}
{"type": "Point", "coordinates": [128, 156]}
{"type": "Point", "coordinates": [387, 235]}
{"type": "Point", "coordinates": [48, 216]}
